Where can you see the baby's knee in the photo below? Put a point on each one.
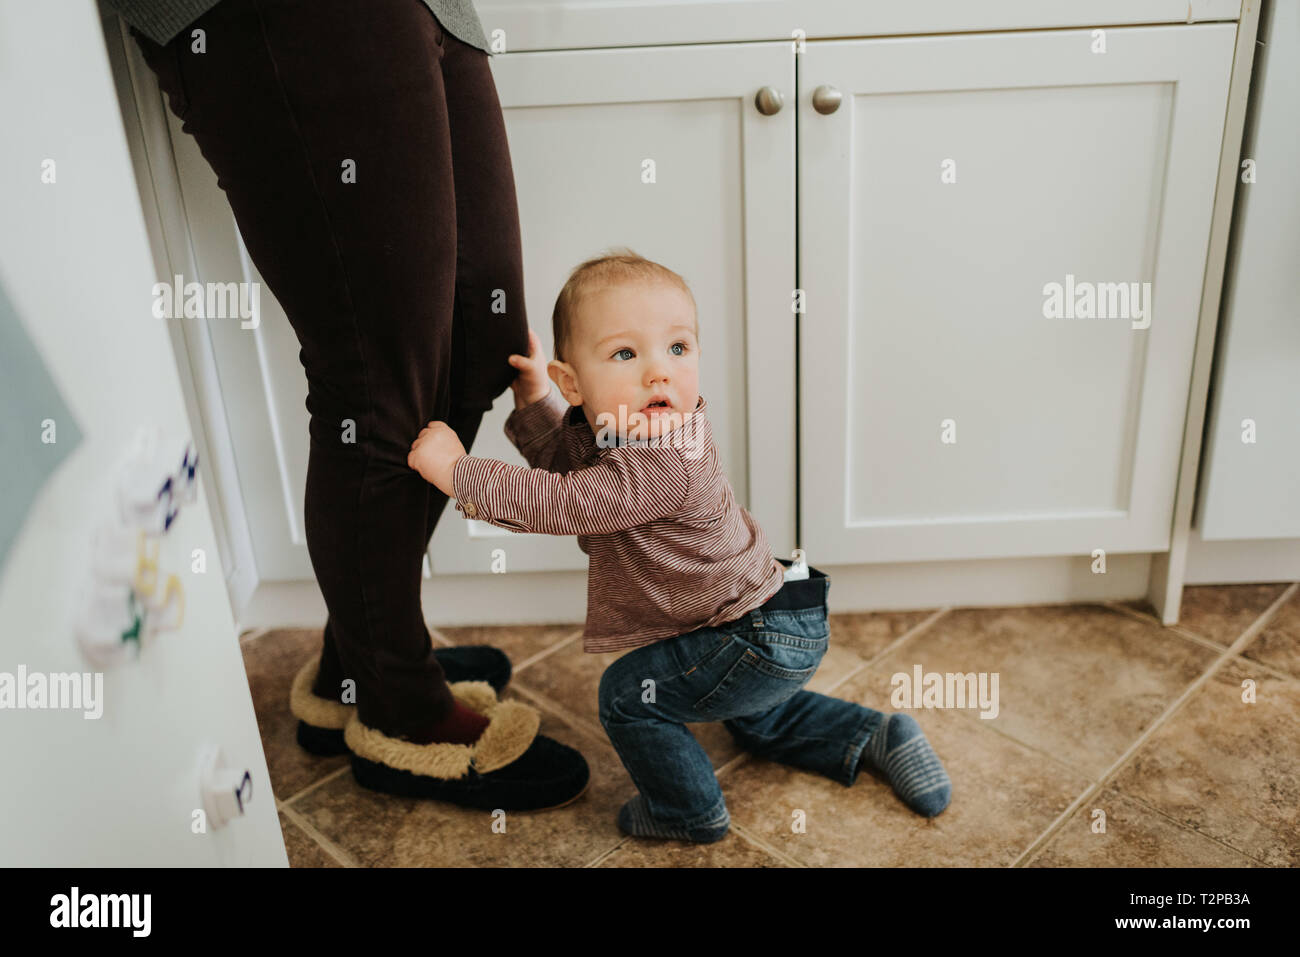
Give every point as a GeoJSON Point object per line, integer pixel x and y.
{"type": "Point", "coordinates": [605, 695]}
{"type": "Point", "coordinates": [618, 696]}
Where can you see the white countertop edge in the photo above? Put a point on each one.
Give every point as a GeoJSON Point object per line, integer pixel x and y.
{"type": "Point", "coordinates": [534, 25]}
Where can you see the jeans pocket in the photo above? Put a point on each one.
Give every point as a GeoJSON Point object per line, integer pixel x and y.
{"type": "Point", "coordinates": [767, 673]}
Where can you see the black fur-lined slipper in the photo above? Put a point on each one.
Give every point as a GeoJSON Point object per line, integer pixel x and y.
{"type": "Point", "coordinates": [321, 720]}
{"type": "Point", "coordinates": [510, 767]}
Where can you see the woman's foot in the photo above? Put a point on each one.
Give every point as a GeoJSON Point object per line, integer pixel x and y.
{"type": "Point", "coordinates": [321, 720]}
{"type": "Point", "coordinates": [509, 767]}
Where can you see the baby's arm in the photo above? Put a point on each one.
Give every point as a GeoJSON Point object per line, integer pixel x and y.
{"type": "Point", "coordinates": [537, 431]}
{"type": "Point", "coordinates": [630, 486]}
{"type": "Point", "coordinates": [536, 427]}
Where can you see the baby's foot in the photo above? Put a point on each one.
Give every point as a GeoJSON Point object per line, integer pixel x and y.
{"type": "Point", "coordinates": [634, 818]}
{"type": "Point", "coordinates": [899, 751]}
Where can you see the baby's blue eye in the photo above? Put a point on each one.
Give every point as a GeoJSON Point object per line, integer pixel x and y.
{"type": "Point", "coordinates": [682, 344]}
{"type": "Point", "coordinates": [621, 351]}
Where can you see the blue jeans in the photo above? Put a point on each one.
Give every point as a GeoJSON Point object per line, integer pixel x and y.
{"type": "Point", "coordinates": [748, 674]}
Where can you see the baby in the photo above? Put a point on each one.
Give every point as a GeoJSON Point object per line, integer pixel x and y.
{"type": "Point", "coordinates": [680, 573]}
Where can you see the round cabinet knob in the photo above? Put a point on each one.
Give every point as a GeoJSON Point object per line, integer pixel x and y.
{"type": "Point", "coordinates": [826, 99]}
{"type": "Point", "coordinates": [768, 100]}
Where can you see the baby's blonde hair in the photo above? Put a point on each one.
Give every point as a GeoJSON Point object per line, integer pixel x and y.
{"type": "Point", "coordinates": [619, 265]}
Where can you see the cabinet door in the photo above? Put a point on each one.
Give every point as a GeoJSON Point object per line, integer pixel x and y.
{"type": "Point", "coordinates": [959, 177]}
{"type": "Point", "coordinates": [582, 128]}
{"type": "Point", "coordinates": [1250, 485]}
{"type": "Point", "coordinates": [662, 150]}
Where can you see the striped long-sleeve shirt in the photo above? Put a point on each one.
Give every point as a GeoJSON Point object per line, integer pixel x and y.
{"type": "Point", "coordinates": [670, 548]}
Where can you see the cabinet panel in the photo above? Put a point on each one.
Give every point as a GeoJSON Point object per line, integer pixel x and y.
{"type": "Point", "coordinates": [581, 126]}
{"type": "Point", "coordinates": [960, 177]}
{"type": "Point", "coordinates": [584, 129]}
{"type": "Point", "coordinates": [1251, 489]}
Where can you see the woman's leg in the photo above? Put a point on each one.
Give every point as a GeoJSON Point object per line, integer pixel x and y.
{"type": "Point", "coordinates": [489, 317]}
{"type": "Point", "coordinates": [327, 125]}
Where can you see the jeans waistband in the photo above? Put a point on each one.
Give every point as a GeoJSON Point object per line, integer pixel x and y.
{"type": "Point", "coordinates": [809, 592]}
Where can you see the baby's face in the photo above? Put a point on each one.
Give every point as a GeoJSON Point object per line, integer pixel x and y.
{"type": "Point", "coordinates": [632, 344]}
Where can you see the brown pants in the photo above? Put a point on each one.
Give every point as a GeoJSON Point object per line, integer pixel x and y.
{"type": "Point", "coordinates": [388, 282]}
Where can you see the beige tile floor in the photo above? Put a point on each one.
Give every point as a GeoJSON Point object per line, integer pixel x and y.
{"type": "Point", "coordinates": [1105, 716]}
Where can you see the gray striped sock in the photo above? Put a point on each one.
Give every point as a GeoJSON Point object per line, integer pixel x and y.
{"type": "Point", "coordinates": [900, 752]}
{"type": "Point", "coordinates": [634, 818]}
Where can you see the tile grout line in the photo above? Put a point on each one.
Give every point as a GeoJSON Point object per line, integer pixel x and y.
{"type": "Point", "coordinates": [1179, 627]}
{"type": "Point", "coordinates": [547, 652]}
{"type": "Point", "coordinates": [1145, 619]}
{"type": "Point", "coordinates": [1033, 748]}
{"type": "Point", "coordinates": [1204, 642]}
{"type": "Point", "coordinates": [1271, 670]}
{"type": "Point", "coordinates": [323, 842]}
{"type": "Point", "coordinates": [741, 832]}
{"type": "Point", "coordinates": [564, 715]}
{"type": "Point", "coordinates": [1153, 620]}
{"type": "Point", "coordinates": [969, 714]}
{"type": "Point", "coordinates": [745, 834]}
{"type": "Point", "coordinates": [1180, 630]}
{"type": "Point", "coordinates": [1226, 654]}
{"type": "Point", "coordinates": [889, 648]}
{"type": "Point", "coordinates": [606, 855]}
{"type": "Point", "coordinates": [735, 762]}
{"type": "Point", "coordinates": [532, 659]}
{"type": "Point", "coordinates": [293, 799]}
{"type": "Point", "coordinates": [1231, 652]}
{"type": "Point", "coordinates": [1181, 826]}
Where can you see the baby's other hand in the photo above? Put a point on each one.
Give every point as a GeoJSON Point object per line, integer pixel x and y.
{"type": "Point", "coordinates": [434, 454]}
{"type": "Point", "coordinates": [532, 384]}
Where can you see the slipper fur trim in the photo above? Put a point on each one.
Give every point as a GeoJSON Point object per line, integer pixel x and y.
{"type": "Point", "coordinates": [311, 708]}
{"type": "Point", "coordinates": [477, 695]}
{"type": "Point", "coordinates": [512, 726]}
{"type": "Point", "coordinates": [439, 760]}
{"type": "Point", "coordinates": [511, 733]}
{"type": "Point", "coordinates": [320, 712]}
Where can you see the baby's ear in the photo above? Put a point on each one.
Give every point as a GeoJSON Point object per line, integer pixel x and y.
{"type": "Point", "coordinates": [561, 374]}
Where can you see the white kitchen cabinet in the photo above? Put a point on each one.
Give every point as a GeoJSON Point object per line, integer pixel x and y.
{"type": "Point", "coordinates": [925, 298]}
{"type": "Point", "coordinates": [572, 24]}
{"type": "Point", "coordinates": [583, 128]}
{"type": "Point", "coordinates": [1250, 485]}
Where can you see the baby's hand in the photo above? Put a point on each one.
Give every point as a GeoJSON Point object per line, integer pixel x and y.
{"type": "Point", "coordinates": [434, 454]}
{"type": "Point", "coordinates": [532, 384]}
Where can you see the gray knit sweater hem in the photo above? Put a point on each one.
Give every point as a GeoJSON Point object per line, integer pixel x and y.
{"type": "Point", "coordinates": [161, 20]}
